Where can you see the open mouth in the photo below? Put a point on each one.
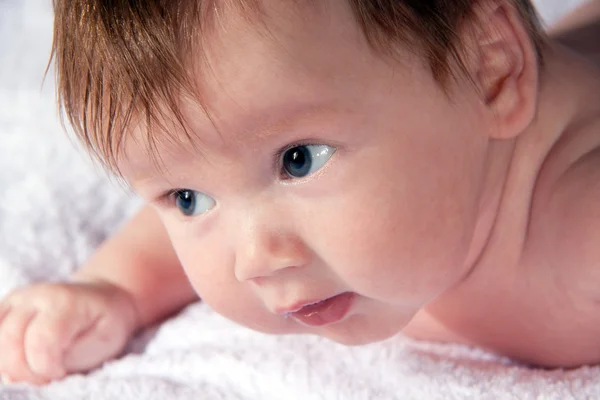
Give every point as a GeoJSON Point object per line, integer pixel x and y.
{"type": "Point", "coordinates": [325, 312]}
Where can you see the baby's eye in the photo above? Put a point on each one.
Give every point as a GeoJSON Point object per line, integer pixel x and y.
{"type": "Point", "coordinates": [191, 202]}
{"type": "Point", "coordinates": [301, 161]}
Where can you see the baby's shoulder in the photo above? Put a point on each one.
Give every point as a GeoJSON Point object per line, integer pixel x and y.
{"type": "Point", "coordinates": [583, 38]}
{"type": "Point", "coordinates": [564, 226]}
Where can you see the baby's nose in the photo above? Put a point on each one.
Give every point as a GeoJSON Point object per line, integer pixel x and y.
{"type": "Point", "coordinates": [264, 254]}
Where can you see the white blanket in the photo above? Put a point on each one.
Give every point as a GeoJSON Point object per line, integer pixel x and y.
{"type": "Point", "coordinates": [55, 208]}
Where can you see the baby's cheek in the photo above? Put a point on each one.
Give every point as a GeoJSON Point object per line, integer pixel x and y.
{"type": "Point", "coordinates": [211, 275]}
{"type": "Point", "coordinates": [391, 250]}
{"type": "Point", "coordinates": [384, 268]}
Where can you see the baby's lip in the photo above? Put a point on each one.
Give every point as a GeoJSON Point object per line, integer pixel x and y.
{"type": "Point", "coordinates": [323, 312]}
{"type": "Point", "coordinates": [298, 305]}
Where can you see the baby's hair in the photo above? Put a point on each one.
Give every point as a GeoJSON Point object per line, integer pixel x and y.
{"type": "Point", "coordinates": [123, 62]}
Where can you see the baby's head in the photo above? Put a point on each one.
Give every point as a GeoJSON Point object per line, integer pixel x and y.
{"type": "Point", "coordinates": [297, 150]}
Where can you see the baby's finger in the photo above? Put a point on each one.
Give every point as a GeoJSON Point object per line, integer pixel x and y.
{"type": "Point", "coordinates": [98, 344]}
{"type": "Point", "coordinates": [46, 340]}
{"type": "Point", "coordinates": [13, 362]}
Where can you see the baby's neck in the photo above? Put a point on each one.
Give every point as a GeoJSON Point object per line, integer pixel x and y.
{"type": "Point", "coordinates": [505, 271]}
{"type": "Point", "coordinates": [568, 88]}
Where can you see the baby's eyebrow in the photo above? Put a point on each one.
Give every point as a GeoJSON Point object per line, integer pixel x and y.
{"type": "Point", "coordinates": [261, 121]}
{"type": "Point", "coordinates": [154, 187]}
{"type": "Point", "coordinates": [270, 123]}
{"type": "Point", "coordinates": [147, 183]}
{"type": "Point", "coordinates": [146, 175]}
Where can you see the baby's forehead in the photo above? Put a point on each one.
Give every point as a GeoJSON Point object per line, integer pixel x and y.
{"type": "Point", "coordinates": [246, 69]}
{"type": "Point", "coordinates": [207, 137]}
{"type": "Point", "coordinates": [163, 162]}
{"type": "Point", "coordinates": [252, 81]}
{"type": "Point", "coordinates": [300, 34]}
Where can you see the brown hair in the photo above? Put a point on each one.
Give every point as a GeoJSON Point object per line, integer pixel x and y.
{"type": "Point", "coordinates": [123, 59]}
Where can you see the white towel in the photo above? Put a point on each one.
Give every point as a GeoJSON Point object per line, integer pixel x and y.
{"type": "Point", "coordinates": [55, 208]}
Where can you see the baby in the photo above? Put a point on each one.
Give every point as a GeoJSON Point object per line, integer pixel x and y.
{"type": "Point", "coordinates": [345, 168]}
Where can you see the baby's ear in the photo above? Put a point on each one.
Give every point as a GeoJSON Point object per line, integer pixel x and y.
{"type": "Point", "coordinates": [502, 61]}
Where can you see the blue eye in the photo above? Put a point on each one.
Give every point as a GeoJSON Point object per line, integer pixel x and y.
{"type": "Point", "coordinates": [191, 202]}
{"type": "Point", "coordinates": [301, 161]}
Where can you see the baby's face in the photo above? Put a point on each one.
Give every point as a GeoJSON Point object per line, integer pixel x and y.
{"type": "Point", "coordinates": [328, 172]}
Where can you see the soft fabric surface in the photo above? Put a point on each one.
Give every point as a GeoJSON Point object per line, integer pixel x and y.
{"type": "Point", "coordinates": [55, 208]}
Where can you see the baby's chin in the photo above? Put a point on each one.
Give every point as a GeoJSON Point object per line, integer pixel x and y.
{"type": "Point", "coordinates": [357, 331]}
{"type": "Point", "coordinates": [350, 332]}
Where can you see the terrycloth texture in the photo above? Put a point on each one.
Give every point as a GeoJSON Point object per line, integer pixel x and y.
{"type": "Point", "coordinates": [55, 209]}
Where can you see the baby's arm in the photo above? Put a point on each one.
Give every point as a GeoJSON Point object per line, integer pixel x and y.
{"type": "Point", "coordinates": [140, 259]}
{"type": "Point", "coordinates": [134, 279]}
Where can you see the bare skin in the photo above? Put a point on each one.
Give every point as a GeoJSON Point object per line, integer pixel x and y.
{"type": "Point", "coordinates": [132, 281]}
{"type": "Point", "coordinates": [529, 292]}
{"type": "Point", "coordinates": [528, 297]}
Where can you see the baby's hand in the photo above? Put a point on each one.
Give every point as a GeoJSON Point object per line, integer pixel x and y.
{"type": "Point", "coordinates": [50, 330]}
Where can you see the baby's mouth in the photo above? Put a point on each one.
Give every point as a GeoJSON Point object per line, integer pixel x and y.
{"type": "Point", "coordinates": [324, 312]}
